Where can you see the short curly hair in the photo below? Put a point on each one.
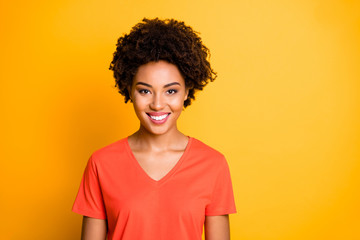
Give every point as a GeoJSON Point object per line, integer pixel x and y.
{"type": "Point", "coordinates": [170, 40]}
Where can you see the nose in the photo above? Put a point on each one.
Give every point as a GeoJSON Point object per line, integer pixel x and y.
{"type": "Point", "coordinates": [157, 102]}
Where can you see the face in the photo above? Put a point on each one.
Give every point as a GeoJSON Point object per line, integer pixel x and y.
{"type": "Point", "coordinates": [158, 93]}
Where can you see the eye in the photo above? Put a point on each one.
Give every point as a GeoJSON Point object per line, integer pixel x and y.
{"type": "Point", "coordinates": [144, 91]}
{"type": "Point", "coordinates": [171, 91]}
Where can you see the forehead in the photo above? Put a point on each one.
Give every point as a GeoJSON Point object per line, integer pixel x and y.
{"type": "Point", "coordinates": [158, 73]}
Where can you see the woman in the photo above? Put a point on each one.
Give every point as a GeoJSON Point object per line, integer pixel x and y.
{"type": "Point", "coordinates": [157, 183]}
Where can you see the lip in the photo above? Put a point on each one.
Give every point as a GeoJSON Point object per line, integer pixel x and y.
{"type": "Point", "coordinates": [158, 114]}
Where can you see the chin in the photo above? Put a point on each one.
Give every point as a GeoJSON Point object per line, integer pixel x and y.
{"type": "Point", "coordinates": [157, 131]}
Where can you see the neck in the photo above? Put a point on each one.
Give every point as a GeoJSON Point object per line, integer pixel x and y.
{"type": "Point", "coordinates": [159, 142]}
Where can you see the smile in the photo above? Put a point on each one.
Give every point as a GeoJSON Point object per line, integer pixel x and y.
{"type": "Point", "coordinates": [158, 118]}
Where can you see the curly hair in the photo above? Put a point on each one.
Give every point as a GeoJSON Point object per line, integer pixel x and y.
{"type": "Point", "coordinates": [170, 40]}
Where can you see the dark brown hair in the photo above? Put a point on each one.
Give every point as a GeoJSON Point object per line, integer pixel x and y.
{"type": "Point", "coordinates": [169, 40]}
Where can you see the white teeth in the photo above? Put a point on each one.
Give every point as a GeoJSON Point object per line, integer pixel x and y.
{"type": "Point", "coordinates": [158, 118]}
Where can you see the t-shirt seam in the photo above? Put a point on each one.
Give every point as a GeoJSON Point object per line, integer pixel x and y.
{"type": "Point", "coordinates": [77, 209]}
{"type": "Point", "coordinates": [227, 211]}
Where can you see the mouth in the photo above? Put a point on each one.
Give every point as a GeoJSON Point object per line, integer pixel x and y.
{"type": "Point", "coordinates": [158, 118]}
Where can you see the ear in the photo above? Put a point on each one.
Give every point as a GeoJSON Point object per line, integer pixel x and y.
{"type": "Point", "coordinates": [186, 93]}
{"type": "Point", "coordinates": [130, 94]}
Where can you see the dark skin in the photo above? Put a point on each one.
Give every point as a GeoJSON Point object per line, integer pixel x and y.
{"type": "Point", "coordinates": [160, 88]}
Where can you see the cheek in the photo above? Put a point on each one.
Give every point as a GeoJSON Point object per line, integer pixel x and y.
{"type": "Point", "coordinates": [177, 103]}
{"type": "Point", "coordinates": [140, 102]}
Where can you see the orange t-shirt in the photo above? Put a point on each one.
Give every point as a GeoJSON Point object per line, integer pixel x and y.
{"type": "Point", "coordinates": [115, 187]}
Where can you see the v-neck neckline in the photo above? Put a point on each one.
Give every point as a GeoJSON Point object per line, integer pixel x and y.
{"type": "Point", "coordinates": [168, 174]}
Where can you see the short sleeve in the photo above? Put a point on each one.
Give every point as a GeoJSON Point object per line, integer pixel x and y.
{"type": "Point", "coordinates": [89, 201]}
{"type": "Point", "coordinates": [222, 199]}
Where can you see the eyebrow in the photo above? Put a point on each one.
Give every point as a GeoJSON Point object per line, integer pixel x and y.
{"type": "Point", "coordinates": [165, 86]}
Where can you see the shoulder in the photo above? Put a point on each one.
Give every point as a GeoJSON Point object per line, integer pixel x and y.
{"type": "Point", "coordinates": [210, 163]}
{"type": "Point", "coordinates": [211, 154]}
{"type": "Point", "coordinates": [110, 151]}
{"type": "Point", "coordinates": [201, 147]}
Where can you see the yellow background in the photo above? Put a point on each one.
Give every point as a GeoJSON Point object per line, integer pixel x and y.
{"type": "Point", "coordinates": [284, 109]}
